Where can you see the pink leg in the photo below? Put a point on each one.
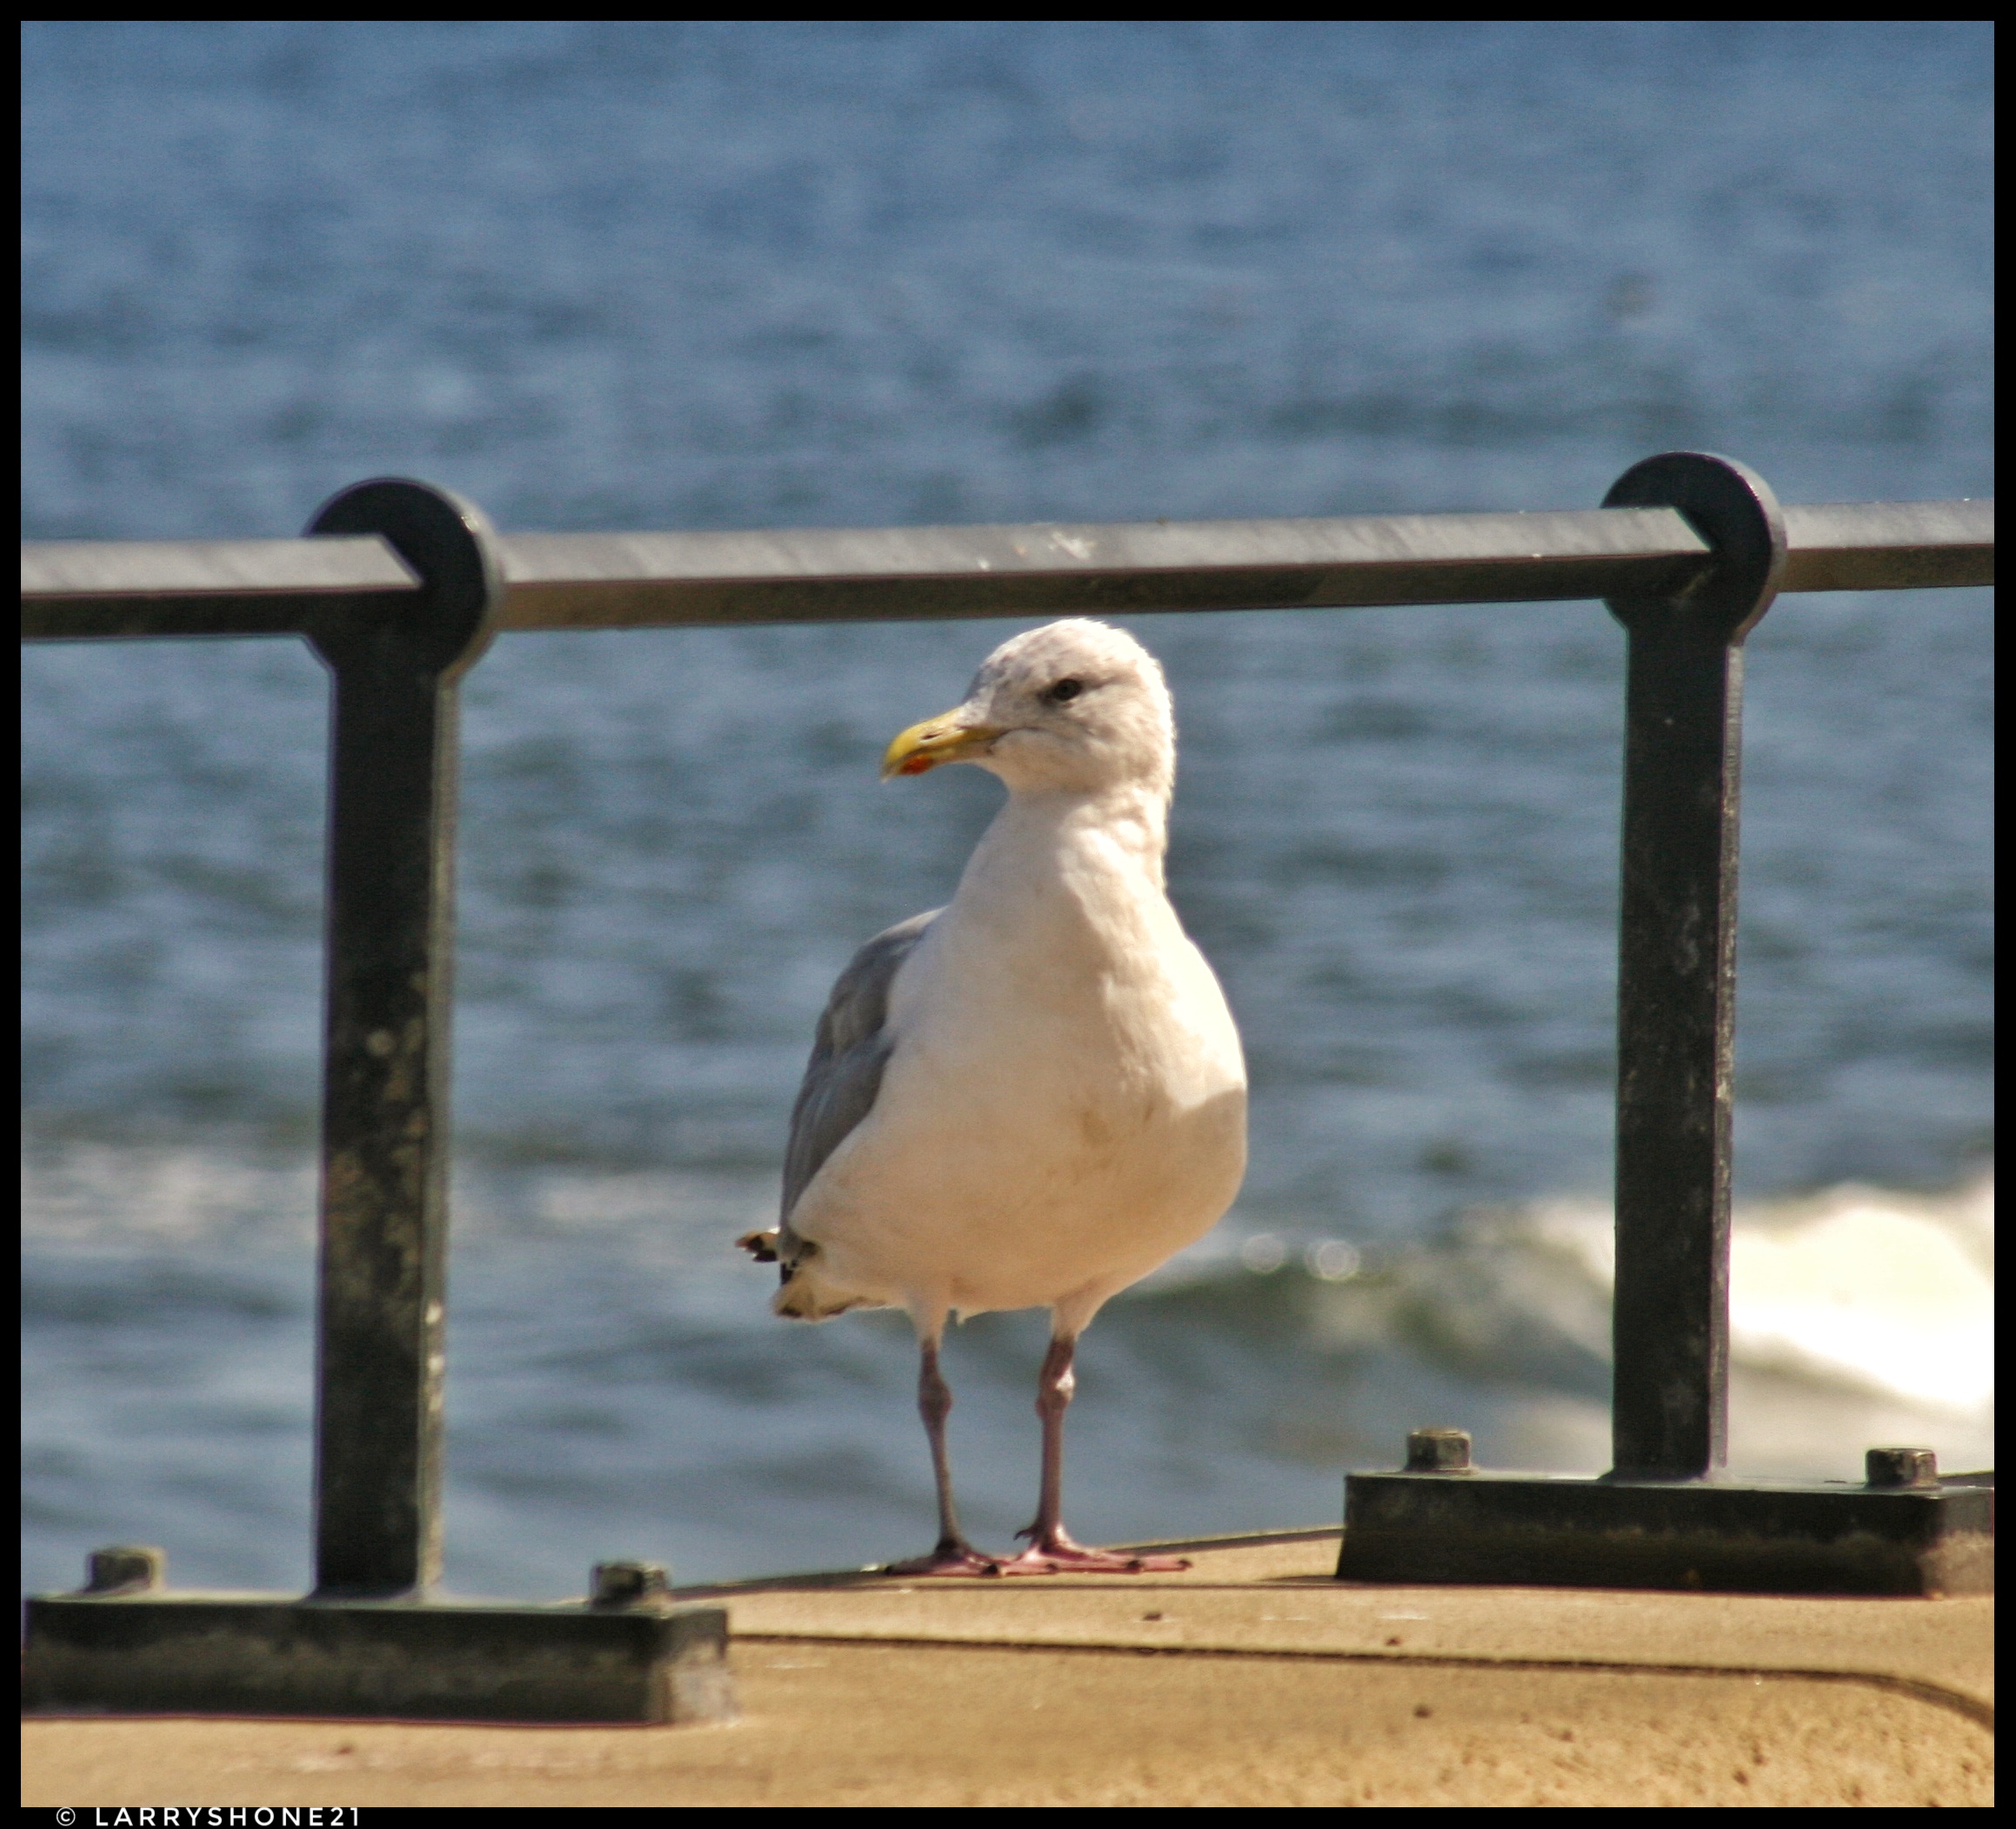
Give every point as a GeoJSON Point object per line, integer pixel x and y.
{"type": "Point", "coordinates": [954, 1555]}
{"type": "Point", "coordinates": [1052, 1550]}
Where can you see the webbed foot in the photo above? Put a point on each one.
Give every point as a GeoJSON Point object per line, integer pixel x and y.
{"type": "Point", "coordinates": [951, 1557]}
{"type": "Point", "coordinates": [1056, 1553]}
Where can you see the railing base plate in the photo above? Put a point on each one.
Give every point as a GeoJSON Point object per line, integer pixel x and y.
{"type": "Point", "coordinates": [1719, 1536]}
{"type": "Point", "coordinates": [163, 1652]}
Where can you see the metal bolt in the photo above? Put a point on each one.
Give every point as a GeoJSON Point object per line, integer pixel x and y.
{"type": "Point", "coordinates": [629, 1584]}
{"type": "Point", "coordinates": [1439, 1450]}
{"type": "Point", "coordinates": [1901, 1467]}
{"type": "Point", "coordinates": [126, 1568]}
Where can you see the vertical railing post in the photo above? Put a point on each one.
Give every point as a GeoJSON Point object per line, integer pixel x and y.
{"type": "Point", "coordinates": [1676, 992]}
{"type": "Point", "coordinates": [381, 1315]}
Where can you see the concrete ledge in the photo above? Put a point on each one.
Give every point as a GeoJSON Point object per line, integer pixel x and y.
{"type": "Point", "coordinates": [1254, 1677]}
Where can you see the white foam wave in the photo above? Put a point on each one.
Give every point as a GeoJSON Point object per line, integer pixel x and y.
{"type": "Point", "coordinates": [1858, 1288]}
{"type": "Point", "coordinates": [1888, 1293]}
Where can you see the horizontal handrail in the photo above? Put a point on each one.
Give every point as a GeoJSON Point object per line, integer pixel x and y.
{"type": "Point", "coordinates": [75, 589]}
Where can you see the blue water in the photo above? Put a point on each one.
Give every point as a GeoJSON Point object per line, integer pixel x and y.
{"type": "Point", "coordinates": [657, 277]}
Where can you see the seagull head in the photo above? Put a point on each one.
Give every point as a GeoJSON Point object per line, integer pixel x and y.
{"type": "Point", "coordinates": [1073, 707]}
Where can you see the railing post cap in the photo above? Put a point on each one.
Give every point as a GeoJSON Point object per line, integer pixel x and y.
{"type": "Point", "coordinates": [449, 542]}
{"type": "Point", "coordinates": [1736, 511]}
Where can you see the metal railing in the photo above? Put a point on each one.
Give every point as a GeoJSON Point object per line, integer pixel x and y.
{"type": "Point", "coordinates": [399, 588]}
{"type": "Point", "coordinates": [76, 589]}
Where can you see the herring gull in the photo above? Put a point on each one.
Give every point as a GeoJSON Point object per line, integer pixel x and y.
{"type": "Point", "coordinates": [1031, 1097]}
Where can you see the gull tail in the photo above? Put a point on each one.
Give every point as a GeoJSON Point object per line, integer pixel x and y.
{"type": "Point", "coordinates": [806, 1296]}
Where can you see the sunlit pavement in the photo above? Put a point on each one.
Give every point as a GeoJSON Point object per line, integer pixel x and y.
{"type": "Point", "coordinates": [1251, 1678]}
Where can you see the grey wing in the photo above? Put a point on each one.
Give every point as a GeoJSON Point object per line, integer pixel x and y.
{"type": "Point", "coordinates": [845, 1071]}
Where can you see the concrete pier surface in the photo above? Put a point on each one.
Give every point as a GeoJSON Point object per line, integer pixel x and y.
{"type": "Point", "coordinates": [1252, 1678]}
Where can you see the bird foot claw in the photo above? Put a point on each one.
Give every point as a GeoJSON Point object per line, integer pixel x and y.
{"type": "Point", "coordinates": [1091, 1562]}
{"type": "Point", "coordinates": [956, 1558]}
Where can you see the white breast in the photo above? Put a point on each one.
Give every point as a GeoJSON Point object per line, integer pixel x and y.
{"type": "Point", "coordinates": [1065, 1105]}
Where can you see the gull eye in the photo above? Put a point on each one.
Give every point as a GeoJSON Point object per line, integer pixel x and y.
{"type": "Point", "coordinates": [1064, 691]}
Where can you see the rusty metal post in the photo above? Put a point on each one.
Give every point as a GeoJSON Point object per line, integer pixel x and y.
{"type": "Point", "coordinates": [1660, 1517]}
{"type": "Point", "coordinates": [1676, 992]}
{"type": "Point", "coordinates": [386, 1091]}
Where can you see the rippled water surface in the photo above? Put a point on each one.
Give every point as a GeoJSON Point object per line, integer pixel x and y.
{"type": "Point", "coordinates": [654, 278]}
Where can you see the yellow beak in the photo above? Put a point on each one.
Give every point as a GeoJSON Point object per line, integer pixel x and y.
{"type": "Point", "coordinates": [943, 738]}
